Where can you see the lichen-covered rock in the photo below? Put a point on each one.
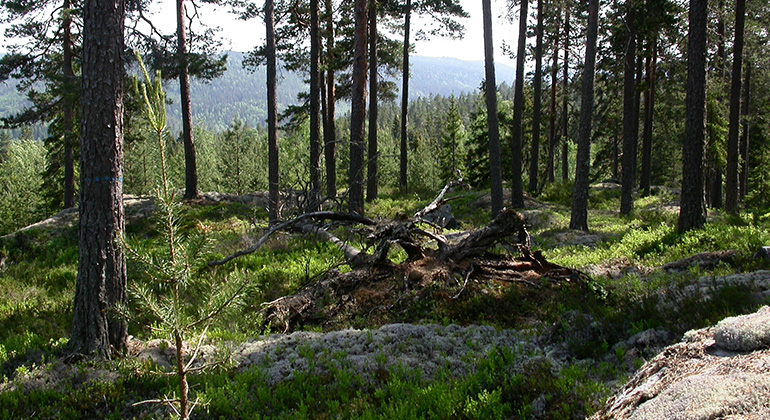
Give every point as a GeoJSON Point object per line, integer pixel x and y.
{"type": "Point", "coordinates": [427, 349]}
{"type": "Point", "coordinates": [706, 397]}
{"type": "Point", "coordinates": [744, 333]}
{"type": "Point", "coordinates": [697, 379]}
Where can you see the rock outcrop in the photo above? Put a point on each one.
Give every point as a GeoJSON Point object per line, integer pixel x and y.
{"type": "Point", "coordinates": [721, 372]}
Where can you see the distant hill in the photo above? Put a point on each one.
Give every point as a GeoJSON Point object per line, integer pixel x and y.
{"type": "Point", "coordinates": [241, 93]}
{"type": "Point", "coordinates": [445, 76]}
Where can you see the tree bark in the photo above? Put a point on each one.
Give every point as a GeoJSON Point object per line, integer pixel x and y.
{"type": "Point", "coordinates": [579, 216]}
{"type": "Point", "coordinates": [358, 110]}
{"type": "Point", "coordinates": [538, 86]}
{"type": "Point", "coordinates": [552, 139]}
{"type": "Point", "coordinates": [191, 169]}
{"type": "Point", "coordinates": [649, 116]}
{"type": "Point", "coordinates": [272, 129]}
{"type": "Point", "coordinates": [495, 165]}
{"type": "Point", "coordinates": [629, 114]}
{"type": "Point", "coordinates": [744, 178]}
{"type": "Point", "coordinates": [714, 175]}
{"type": "Point", "coordinates": [692, 213]}
{"type": "Point", "coordinates": [517, 190]}
{"type": "Point", "coordinates": [402, 178]}
{"type": "Point", "coordinates": [733, 153]}
{"type": "Point", "coordinates": [330, 129]}
{"type": "Point", "coordinates": [97, 330]}
{"type": "Point", "coordinates": [372, 176]}
{"type": "Point", "coordinates": [315, 108]}
{"type": "Point", "coordinates": [67, 107]}
{"type": "Point", "coordinates": [565, 98]}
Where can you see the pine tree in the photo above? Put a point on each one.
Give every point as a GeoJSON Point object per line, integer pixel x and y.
{"type": "Point", "coordinates": [452, 154]}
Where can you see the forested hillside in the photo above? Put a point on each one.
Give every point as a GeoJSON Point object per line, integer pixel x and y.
{"type": "Point", "coordinates": [241, 93]}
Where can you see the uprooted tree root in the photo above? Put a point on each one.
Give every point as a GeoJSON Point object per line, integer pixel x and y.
{"type": "Point", "coordinates": [377, 287]}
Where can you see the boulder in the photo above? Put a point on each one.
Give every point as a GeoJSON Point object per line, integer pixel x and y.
{"type": "Point", "coordinates": [744, 333]}
{"type": "Point", "coordinates": [443, 217]}
{"type": "Point", "coordinates": [703, 377]}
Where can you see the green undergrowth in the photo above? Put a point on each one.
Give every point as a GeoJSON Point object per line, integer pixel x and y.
{"type": "Point", "coordinates": [502, 386]}
{"type": "Point", "coordinates": [38, 277]}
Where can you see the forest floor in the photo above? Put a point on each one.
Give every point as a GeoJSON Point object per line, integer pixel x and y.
{"type": "Point", "coordinates": [427, 345]}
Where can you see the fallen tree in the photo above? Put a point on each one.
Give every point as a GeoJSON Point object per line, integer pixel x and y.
{"type": "Point", "coordinates": [376, 282]}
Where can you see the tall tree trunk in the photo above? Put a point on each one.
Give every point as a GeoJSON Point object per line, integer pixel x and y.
{"type": "Point", "coordinates": [579, 216]}
{"type": "Point", "coordinates": [565, 99]}
{"type": "Point", "coordinates": [733, 152]}
{"type": "Point", "coordinates": [629, 116]}
{"type": "Point", "coordinates": [358, 110]}
{"type": "Point", "coordinates": [272, 119]}
{"type": "Point", "coordinates": [714, 171]}
{"type": "Point", "coordinates": [649, 115]}
{"type": "Point", "coordinates": [517, 190]}
{"type": "Point", "coordinates": [538, 86]}
{"type": "Point", "coordinates": [402, 178]}
{"type": "Point", "coordinates": [315, 108]}
{"type": "Point", "coordinates": [692, 213]}
{"type": "Point", "coordinates": [744, 178]}
{"type": "Point", "coordinates": [552, 139]}
{"type": "Point", "coordinates": [490, 91]}
{"type": "Point", "coordinates": [191, 169]}
{"type": "Point", "coordinates": [615, 156]}
{"type": "Point", "coordinates": [67, 107]}
{"type": "Point", "coordinates": [637, 104]}
{"type": "Point", "coordinates": [372, 176]}
{"type": "Point", "coordinates": [330, 129]}
{"type": "Point", "coordinates": [97, 329]}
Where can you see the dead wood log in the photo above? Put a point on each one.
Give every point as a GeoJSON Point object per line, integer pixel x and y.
{"type": "Point", "coordinates": [506, 224]}
{"type": "Point", "coordinates": [323, 215]}
{"type": "Point", "coordinates": [437, 202]}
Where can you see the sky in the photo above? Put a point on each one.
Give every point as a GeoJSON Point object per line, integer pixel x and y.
{"type": "Point", "coordinates": [244, 35]}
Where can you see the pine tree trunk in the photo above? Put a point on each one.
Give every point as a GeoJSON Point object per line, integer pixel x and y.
{"type": "Point", "coordinates": [629, 116]}
{"type": "Point", "coordinates": [552, 139]}
{"type": "Point", "coordinates": [191, 170]}
{"type": "Point", "coordinates": [402, 178]}
{"type": "Point", "coordinates": [330, 129]}
{"type": "Point", "coordinates": [744, 181]}
{"type": "Point", "coordinates": [579, 216]}
{"type": "Point", "coordinates": [649, 116]}
{"type": "Point", "coordinates": [67, 106]}
{"type": "Point", "coordinates": [538, 86]}
{"type": "Point", "coordinates": [517, 190]}
{"type": "Point", "coordinates": [564, 99]}
{"type": "Point", "coordinates": [97, 330]}
{"type": "Point", "coordinates": [181, 373]}
{"type": "Point", "coordinates": [372, 176]}
{"type": "Point", "coordinates": [358, 110]}
{"type": "Point", "coordinates": [714, 173]}
{"type": "Point", "coordinates": [731, 176]}
{"type": "Point", "coordinates": [692, 213]}
{"type": "Point", "coordinates": [272, 119]}
{"type": "Point", "coordinates": [315, 108]}
{"type": "Point", "coordinates": [495, 165]}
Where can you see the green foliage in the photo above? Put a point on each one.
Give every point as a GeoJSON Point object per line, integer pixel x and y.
{"type": "Point", "coordinates": [477, 157]}
{"type": "Point", "coordinates": [242, 162]}
{"type": "Point", "coordinates": [452, 154]}
{"type": "Point", "coordinates": [21, 166]}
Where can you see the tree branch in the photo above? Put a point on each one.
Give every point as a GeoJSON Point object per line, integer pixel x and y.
{"type": "Point", "coordinates": [327, 215]}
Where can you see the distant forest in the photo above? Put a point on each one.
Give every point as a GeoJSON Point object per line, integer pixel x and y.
{"type": "Point", "coordinates": [241, 93]}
